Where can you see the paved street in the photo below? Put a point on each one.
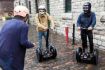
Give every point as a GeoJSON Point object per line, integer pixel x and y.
{"type": "Point", "coordinates": [65, 13]}
{"type": "Point", "coordinates": [66, 55]}
{"type": "Point", "coordinates": [65, 59]}
{"type": "Point", "coordinates": [1, 24]}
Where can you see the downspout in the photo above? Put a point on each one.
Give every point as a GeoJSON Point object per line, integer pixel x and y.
{"type": "Point", "coordinates": [48, 6]}
{"type": "Point", "coordinates": [36, 5]}
{"type": "Point", "coordinates": [48, 10]}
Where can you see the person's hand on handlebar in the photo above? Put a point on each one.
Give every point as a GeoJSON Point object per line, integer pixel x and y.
{"type": "Point", "coordinates": [45, 28]}
{"type": "Point", "coordinates": [79, 28]}
{"type": "Point", "coordinates": [90, 28]}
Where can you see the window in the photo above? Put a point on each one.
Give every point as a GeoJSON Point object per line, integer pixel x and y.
{"type": "Point", "coordinates": [67, 6]}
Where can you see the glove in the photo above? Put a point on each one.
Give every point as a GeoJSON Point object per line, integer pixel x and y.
{"type": "Point", "coordinates": [90, 28]}
{"type": "Point", "coordinates": [79, 28]}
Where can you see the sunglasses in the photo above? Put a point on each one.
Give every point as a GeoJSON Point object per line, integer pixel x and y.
{"type": "Point", "coordinates": [41, 11]}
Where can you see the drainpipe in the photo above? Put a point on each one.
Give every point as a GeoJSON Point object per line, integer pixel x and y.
{"type": "Point", "coordinates": [26, 3]}
{"type": "Point", "coordinates": [48, 6]}
{"type": "Point", "coordinates": [30, 6]}
{"type": "Point", "coordinates": [48, 10]}
{"type": "Point", "coordinates": [36, 5]}
{"type": "Point", "coordinates": [19, 3]}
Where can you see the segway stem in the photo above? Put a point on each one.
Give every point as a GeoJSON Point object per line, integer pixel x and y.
{"type": "Point", "coordinates": [47, 39]}
{"type": "Point", "coordinates": [73, 35]}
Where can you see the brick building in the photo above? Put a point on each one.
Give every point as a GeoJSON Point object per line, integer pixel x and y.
{"type": "Point", "coordinates": [65, 12]}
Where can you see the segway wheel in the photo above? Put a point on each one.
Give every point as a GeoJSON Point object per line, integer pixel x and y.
{"type": "Point", "coordinates": [95, 57]}
{"type": "Point", "coordinates": [53, 51]}
{"type": "Point", "coordinates": [78, 54]}
{"type": "Point", "coordinates": [39, 55]}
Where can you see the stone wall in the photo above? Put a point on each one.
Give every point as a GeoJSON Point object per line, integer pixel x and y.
{"type": "Point", "coordinates": [62, 19]}
{"type": "Point", "coordinates": [98, 8]}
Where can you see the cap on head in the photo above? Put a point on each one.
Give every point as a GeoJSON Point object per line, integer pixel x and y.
{"type": "Point", "coordinates": [21, 11]}
{"type": "Point", "coordinates": [41, 7]}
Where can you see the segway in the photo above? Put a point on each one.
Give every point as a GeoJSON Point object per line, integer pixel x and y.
{"type": "Point", "coordinates": [49, 53]}
{"type": "Point", "coordinates": [86, 56]}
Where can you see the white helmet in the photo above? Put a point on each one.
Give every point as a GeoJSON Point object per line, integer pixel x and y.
{"type": "Point", "coordinates": [42, 7]}
{"type": "Point", "coordinates": [21, 11]}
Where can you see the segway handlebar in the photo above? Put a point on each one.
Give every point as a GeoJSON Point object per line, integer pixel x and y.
{"type": "Point", "coordinates": [85, 28]}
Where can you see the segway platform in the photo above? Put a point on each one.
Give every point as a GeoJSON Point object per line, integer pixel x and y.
{"type": "Point", "coordinates": [49, 53]}
{"type": "Point", "coordinates": [87, 57]}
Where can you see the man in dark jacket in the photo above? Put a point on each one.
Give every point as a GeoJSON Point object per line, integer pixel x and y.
{"type": "Point", "coordinates": [85, 23]}
{"type": "Point", "coordinates": [14, 40]}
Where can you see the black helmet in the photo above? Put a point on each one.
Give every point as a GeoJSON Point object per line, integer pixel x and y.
{"type": "Point", "coordinates": [87, 7]}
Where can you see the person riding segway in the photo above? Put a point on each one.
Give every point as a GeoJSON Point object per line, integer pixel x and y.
{"type": "Point", "coordinates": [42, 19]}
{"type": "Point", "coordinates": [85, 23]}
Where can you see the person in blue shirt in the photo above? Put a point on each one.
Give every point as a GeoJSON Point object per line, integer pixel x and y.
{"type": "Point", "coordinates": [14, 40]}
{"type": "Point", "coordinates": [85, 23]}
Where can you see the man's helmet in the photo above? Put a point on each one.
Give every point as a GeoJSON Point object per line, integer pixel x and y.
{"type": "Point", "coordinates": [42, 10]}
{"type": "Point", "coordinates": [41, 7]}
{"type": "Point", "coordinates": [87, 7]}
{"type": "Point", "coordinates": [21, 11]}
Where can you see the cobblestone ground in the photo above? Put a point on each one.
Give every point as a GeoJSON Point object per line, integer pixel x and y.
{"type": "Point", "coordinates": [65, 59]}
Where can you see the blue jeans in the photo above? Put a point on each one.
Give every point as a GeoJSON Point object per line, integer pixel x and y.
{"type": "Point", "coordinates": [40, 35]}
